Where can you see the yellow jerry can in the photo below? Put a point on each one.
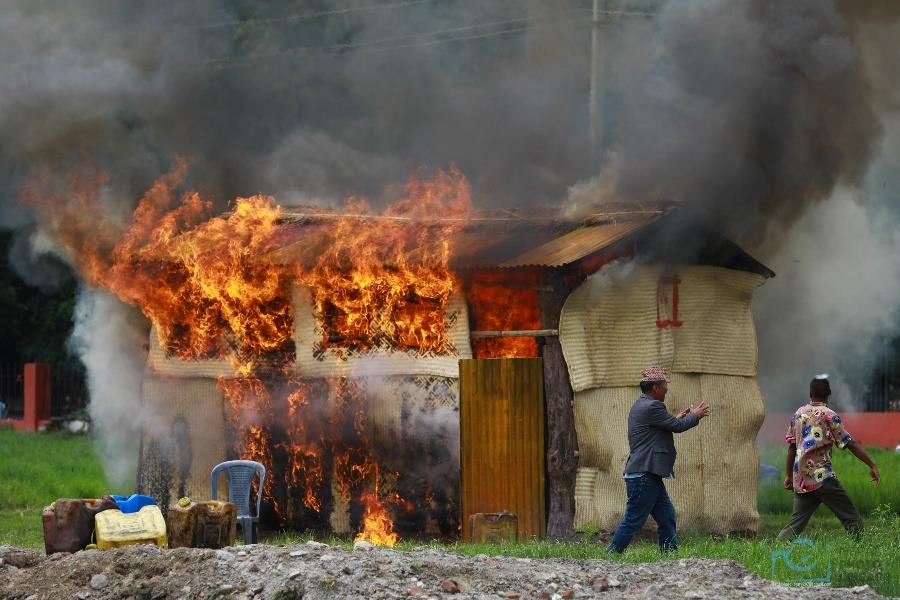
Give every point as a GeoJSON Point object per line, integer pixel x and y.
{"type": "Point", "coordinates": [115, 528]}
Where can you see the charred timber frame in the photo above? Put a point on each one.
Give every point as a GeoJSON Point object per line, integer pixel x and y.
{"type": "Point", "coordinates": [562, 445]}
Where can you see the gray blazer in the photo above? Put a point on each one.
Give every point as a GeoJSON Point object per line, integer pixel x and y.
{"type": "Point", "coordinates": [650, 428]}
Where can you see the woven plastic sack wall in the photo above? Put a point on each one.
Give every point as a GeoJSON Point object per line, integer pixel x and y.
{"type": "Point", "coordinates": [333, 362]}
{"type": "Point", "coordinates": [692, 320]}
{"type": "Point", "coordinates": [627, 318]}
{"type": "Point", "coordinates": [608, 330]}
{"type": "Point", "coordinates": [717, 334]}
{"type": "Point", "coordinates": [717, 467]}
{"type": "Point", "coordinates": [160, 362]}
{"type": "Point", "coordinates": [183, 440]}
{"type": "Point", "coordinates": [313, 361]}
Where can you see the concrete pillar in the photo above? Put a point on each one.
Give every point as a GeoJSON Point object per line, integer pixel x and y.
{"type": "Point", "coordinates": [37, 396]}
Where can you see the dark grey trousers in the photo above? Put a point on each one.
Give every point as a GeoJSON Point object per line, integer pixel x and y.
{"type": "Point", "coordinates": [835, 497]}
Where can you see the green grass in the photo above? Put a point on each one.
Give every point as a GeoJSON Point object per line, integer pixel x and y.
{"type": "Point", "coordinates": [21, 527]}
{"type": "Point", "coordinates": [853, 475]}
{"type": "Point", "coordinates": [37, 469]}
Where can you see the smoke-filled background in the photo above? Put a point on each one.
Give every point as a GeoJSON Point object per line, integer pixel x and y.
{"type": "Point", "coordinates": [774, 117]}
{"type": "Point", "coordinates": [777, 119]}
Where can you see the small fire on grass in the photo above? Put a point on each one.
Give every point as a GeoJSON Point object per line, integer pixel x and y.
{"type": "Point", "coordinates": [378, 528]}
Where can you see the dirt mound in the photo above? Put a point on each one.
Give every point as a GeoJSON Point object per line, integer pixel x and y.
{"type": "Point", "coordinates": [315, 570]}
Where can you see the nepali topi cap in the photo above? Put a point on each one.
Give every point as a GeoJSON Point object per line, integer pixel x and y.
{"type": "Point", "coordinates": [654, 374]}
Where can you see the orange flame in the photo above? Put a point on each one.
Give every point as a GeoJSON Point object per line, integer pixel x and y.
{"type": "Point", "coordinates": [206, 286]}
{"type": "Point", "coordinates": [245, 397]}
{"type": "Point", "coordinates": [213, 288]}
{"type": "Point", "coordinates": [305, 467]}
{"type": "Point", "coordinates": [377, 526]}
{"type": "Point", "coordinates": [498, 307]}
{"type": "Point", "coordinates": [387, 283]}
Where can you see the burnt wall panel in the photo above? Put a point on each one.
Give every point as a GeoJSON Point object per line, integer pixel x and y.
{"type": "Point", "coordinates": [183, 437]}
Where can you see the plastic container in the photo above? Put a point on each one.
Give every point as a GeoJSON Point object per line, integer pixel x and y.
{"type": "Point", "coordinates": [69, 523]}
{"type": "Point", "coordinates": [133, 503]}
{"type": "Point", "coordinates": [493, 527]}
{"type": "Point", "coordinates": [115, 528]}
{"type": "Point", "coordinates": [202, 524]}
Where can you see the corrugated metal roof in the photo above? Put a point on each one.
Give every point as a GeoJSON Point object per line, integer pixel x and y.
{"type": "Point", "coordinates": [506, 239]}
{"type": "Point", "coordinates": [581, 242]}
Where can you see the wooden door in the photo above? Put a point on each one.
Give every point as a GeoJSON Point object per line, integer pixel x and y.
{"type": "Point", "coordinates": [502, 441]}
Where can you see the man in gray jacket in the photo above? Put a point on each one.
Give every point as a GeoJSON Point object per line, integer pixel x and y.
{"type": "Point", "coordinates": [652, 459]}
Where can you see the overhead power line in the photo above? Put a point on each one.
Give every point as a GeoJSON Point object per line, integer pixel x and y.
{"type": "Point", "coordinates": [369, 8]}
{"type": "Point", "coordinates": [425, 34]}
{"type": "Point", "coordinates": [418, 39]}
{"type": "Point", "coordinates": [316, 15]}
{"type": "Point", "coordinates": [539, 24]}
{"type": "Point", "coordinates": [475, 36]}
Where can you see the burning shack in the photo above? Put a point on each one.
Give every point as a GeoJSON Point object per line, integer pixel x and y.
{"type": "Point", "coordinates": [344, 352]}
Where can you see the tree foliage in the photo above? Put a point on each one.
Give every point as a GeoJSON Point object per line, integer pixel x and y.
{"type": "Point", "coordinates": [35, 323]}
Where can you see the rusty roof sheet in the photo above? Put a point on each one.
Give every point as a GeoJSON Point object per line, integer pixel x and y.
{"type": "Point", "coordinates": [582, 242]}
{"type": "Point", "coordinates": [490, 240]}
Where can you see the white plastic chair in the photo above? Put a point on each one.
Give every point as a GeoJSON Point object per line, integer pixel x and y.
{"type": "Point", "coordinates": [240, 475]}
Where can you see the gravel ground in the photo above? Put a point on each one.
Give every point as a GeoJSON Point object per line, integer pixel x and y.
{"type": "Point", "coordinates": [315, 570]}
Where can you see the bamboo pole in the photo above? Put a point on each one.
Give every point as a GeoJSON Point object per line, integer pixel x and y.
{"type": "Point", "coordinates": [516, 286]}
{"type": "Point", "coordinates": [516, 333]}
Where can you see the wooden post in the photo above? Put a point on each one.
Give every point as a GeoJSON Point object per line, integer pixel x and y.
{"type": "Point", "coordinates": [562, 445]}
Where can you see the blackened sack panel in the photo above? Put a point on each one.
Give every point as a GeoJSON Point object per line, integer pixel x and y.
{"type": "Point", "coordinates": [401, 433]}
{"type": "Point", "coordinates": [183, 432]}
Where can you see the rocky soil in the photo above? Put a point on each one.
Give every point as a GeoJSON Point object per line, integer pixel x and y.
{"type": "Point", "coordinates": [316, 570]}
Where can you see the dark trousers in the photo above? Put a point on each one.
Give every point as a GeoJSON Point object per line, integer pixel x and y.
{"type": "Point", "coordinates": [647, 496]}
{"type": "Point", "coordinates": [834, 496]}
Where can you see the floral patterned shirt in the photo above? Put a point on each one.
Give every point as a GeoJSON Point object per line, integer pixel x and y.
{"type": "Point", "coordinates": [814, 428]}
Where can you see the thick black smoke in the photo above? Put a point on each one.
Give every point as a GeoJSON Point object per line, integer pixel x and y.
{"type": "Point", "coordinates": [753, 110]}
{"type": "Point", "coordinates": [310, 101]}
{"type": "Point", "coordinates": [779, 120]}
{"type": "Point", "coordinates": [307, 100]}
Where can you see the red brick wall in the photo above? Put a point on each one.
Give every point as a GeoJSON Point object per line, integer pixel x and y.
{"type": "Point", "coordinates": [871, 429]}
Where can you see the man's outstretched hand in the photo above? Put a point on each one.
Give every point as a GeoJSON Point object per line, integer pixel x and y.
{"type": "Point", "coordinates": [873, 471]}
{"type": "Point", "coordinates": [684, 413]}
{"type": "Point", "coordinates": [701, 410]}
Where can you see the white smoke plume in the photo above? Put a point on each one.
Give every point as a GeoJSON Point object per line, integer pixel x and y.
{"type": "Point", "coordinates": [109, 337]}
{"type": "Point", "coordinates": [834, 302]}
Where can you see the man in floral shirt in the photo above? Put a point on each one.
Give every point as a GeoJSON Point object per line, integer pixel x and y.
{"type": "Point", "coordinates": [814, 429]}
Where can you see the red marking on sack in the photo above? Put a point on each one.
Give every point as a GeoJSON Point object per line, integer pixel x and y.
{"type": "Point", "coordinates": [666, 293]}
